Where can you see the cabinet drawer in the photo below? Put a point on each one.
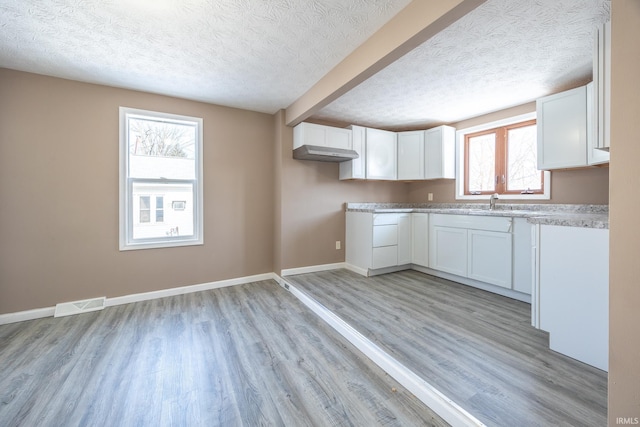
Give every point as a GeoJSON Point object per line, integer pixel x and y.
{"type": "Point", "coordinates": [385, 219]}
{"type": "Point", "coordinates": [385, 257]}
{"type": "Point", "coordinates": [473, 222]}
{"type": "Point", "coordinates": [385, 235]}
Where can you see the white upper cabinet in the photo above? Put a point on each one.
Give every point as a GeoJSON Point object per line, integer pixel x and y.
{"type": "Point", "coordinates": [595, 156]}
{"type": "Point", "coordinates": [324, 136]}
{"type": "Point", "coordinates": [440, 153]}
{"type": "Point", "coordinates": [411, 155]}
{"type": "Point", "coordinates": [355, 169]}
{"type": "Point", "coordinates": [562, 129]}
{"type": "Point", "coordinates": [602, 85]}
{"type": "Point", "coordinates": [381, 157]}
{"type": "Point", "coordinates": [567, 130]}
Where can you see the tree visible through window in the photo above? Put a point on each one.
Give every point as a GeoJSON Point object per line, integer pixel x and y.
{"type": "Point", "coordinates": [503, 160]}
{"type": "Point", "coordinates": [160, 164]}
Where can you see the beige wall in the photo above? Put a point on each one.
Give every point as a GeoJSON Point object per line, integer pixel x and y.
{"type": "Point", "coordinates": [624, 283]}
{"type": "Point", "coordinates": [59, 190]}
{"type": "Point", "coordinates": [588, 185]}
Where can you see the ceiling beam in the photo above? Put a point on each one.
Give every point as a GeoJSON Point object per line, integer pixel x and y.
{"type": "Point", "coordinates": [411, 27]}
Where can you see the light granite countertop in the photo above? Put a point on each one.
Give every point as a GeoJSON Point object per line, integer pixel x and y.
{"type": "Point", "coordinates": [586, 216]}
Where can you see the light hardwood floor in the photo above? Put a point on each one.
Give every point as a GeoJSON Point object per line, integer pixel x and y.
{"type": "Point", "coordinates": [476, 347]}
{"type": "Point", "coordinates": [247, 355]}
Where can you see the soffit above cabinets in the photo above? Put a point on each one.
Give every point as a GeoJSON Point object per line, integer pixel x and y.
{"type": "Point", "coordinates": [263, 55]}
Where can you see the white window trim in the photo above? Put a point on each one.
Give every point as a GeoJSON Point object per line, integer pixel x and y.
{"type": "Point", "coordinates": [460, 135]}
{"type": "Point", "coordinates": [126, 198]}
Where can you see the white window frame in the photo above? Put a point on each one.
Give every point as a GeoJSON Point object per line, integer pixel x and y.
{"type": "Point", "coordinates": [460, 136]}
{"type": "Point", "coordinates": [126, 240]}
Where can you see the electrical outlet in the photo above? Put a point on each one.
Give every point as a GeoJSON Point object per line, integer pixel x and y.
{"type": "Point", "coordinates": [430, 197]}
{"type": "Point", "coordinates": [337, 244]}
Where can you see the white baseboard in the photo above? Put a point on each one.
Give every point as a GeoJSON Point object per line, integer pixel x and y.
{"type": "Point", "coordinates": [312, 269]}
{"type": "Point", "coordinates": [126, 299]}
{"type": "Point", "coordinates": [22, 316]}
{"type": "Point", "coordinates": [446, 408]}
{"type": "Point", "coordinates": [475, 283]}
{"type": "Point", "coordinates": [361, 271]}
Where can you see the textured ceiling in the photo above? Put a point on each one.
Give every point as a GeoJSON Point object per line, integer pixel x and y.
{"type": "Point", "coordinates": [504, 53]}
{"type": "Point", "coordinates": [255, 54]}
{"type": "Point", "coordinates": [264, 54]}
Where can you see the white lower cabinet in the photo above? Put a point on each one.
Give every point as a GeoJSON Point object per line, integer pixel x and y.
{"type": "Point", "coordinates": [522, 260]}
{"type": "Point", "coordinates": [474, 247]}
{"type": "Point", "coordinates": [420, 239]}
{"type": "Point", "coordinates": [378, 240]}
{"type": "Point", "coordinates": [489, 257]}
{"type": "Point", "coordinates": [479, 250]}
{"type": "Point", "coordinates": [404, 239]}
{"type": "Point", "coordinates": [573, 291]}
{"type": "Point", "coordinates": [448, 249]}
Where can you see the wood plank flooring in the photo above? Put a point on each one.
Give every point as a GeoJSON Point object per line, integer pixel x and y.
{"type": "Point", "coordinates": [476, 347]}
{"type": "Point", "coordinates": [246, 355]}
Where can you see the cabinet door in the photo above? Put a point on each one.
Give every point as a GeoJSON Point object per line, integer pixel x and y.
{"type": "Point", "coordinates": [359, 240]}
{"type": "Point", "coordinates": [404, 239]}
{"type": "Point", "coordinates": [338, 138]}
{"type": "Point", "coordinates": [562, 129]}
{"type": "Point", "coordinates": [355, 169]}
{"type": "Point", "coordinates": [448, 250]}
{"type": "Point", "coordinates": [440, 153]}
{"type": "Point", "coordinates": [522, 266]}
{"type": "Point", "coordinates": [420, 239]}
{"type": "Point", "coordinates": [411, 155]}
{"type": "Point", "coordinates": [383, 257]}
{"type": "Point", "coordinates": [381, 154]}
{"type": "Point", "coordinates": [490, 257]}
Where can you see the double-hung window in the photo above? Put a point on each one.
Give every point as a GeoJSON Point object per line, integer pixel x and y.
{"type": "Point", "coordinates": [160, 168]}
{"type": "Point", "coordinates": [501, 158]}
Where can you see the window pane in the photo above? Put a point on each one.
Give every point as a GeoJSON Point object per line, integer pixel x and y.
{"type": "Point", "coordinates": [167, 223]}
{"type": "Point", "coordinates": [145, 211]}
{"type": "Point", "coordinates": [482, 162]}
{"type": "Point", "coordinates": [159, 209]}
{"type": "Point", "coordinates": [522, 172]}
{"type": "Point", "coordinates": [161, 149]}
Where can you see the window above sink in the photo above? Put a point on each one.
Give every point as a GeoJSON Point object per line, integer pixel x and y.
{"type": "Point", "coordinates": [488, 161]}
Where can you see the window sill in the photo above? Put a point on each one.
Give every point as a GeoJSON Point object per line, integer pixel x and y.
{"type": "Point", "coordinates": [505, 197]}
{"type": "Point", "coordinates": [159, 244]}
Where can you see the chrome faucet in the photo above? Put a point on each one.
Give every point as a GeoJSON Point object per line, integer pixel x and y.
{"type": "Point", "coordinates": [492, 201]}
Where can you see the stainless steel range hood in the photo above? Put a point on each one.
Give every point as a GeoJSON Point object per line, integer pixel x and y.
{"type": "Point", "coordinates": [324, 154]}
